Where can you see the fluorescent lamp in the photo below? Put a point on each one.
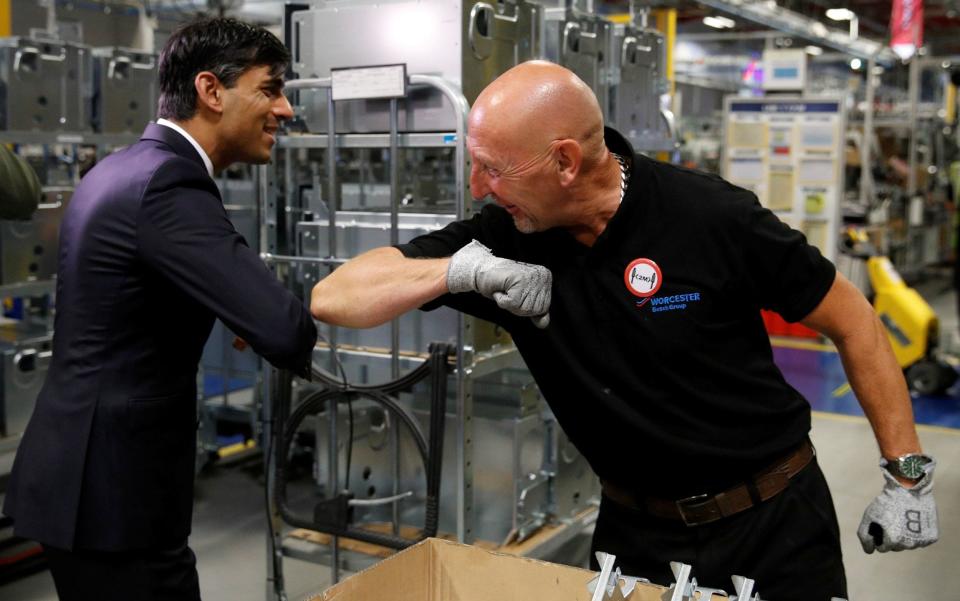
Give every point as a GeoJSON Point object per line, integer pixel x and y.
{"type": "Point", "coordinates": [814, 50]}
{"type": "Point", "coordinates": [840, 14]}
{"type": "Point", "coordinates": [719, 22]}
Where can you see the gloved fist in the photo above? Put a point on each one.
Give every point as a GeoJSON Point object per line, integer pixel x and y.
{"type": "Point", "coordinates": [900, 518]}
{"type": "Point", "coordinates": [521, 288]}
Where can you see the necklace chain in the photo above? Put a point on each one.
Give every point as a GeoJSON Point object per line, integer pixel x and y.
{"type": "Point", "coordinates": [624, 174]}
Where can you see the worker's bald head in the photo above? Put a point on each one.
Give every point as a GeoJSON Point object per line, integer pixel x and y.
{"type": "Point", "coordinates": [536, 103]}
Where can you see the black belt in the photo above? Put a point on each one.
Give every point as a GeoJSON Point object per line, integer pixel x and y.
{"type": "Point", "coordinates": [703, 509]}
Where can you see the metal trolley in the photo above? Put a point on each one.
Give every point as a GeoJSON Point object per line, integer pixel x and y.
{"type": "Point", "coordinates": [527, 464]}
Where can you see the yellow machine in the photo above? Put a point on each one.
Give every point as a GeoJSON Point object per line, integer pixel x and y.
{"type": "Point", "coordinates": [912, 327]}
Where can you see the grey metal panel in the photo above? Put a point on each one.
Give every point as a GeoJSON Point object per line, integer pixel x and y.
{"type": "Point", "coordinates": [22, 381]}
{"type": "Point", "coordinates": [28, 249]}
{"type": "Point", "coordinates": [46, 85]}
{"type": "Point", "coordinates": [464, 41]}
{"type": "Point", "coordinates": [576, 485]}
{"type": "Point", "coordinates": [515, 445]}
{"type": "Point", "coordinates": [125, 89]}
{"type": "Point", "coordinates": [639, 57]}
{"type": "Point", "coordinates": [362, 231]}
{"type": "Point", "coordinates": [581, 43]}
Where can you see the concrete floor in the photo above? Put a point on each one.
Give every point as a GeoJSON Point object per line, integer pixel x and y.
{"type": "Point", "coordinates": [229, 528]}
{"type": "Point", "coordinates": [229, 533]}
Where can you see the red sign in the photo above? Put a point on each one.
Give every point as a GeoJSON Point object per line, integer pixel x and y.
{"type": "Point", "coordinates": [906, 27]}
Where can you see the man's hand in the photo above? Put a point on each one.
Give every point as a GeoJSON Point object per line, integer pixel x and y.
{"type": "Point", "coordinates": [521, 288]}
{"type": "Point", "coordinates": [901, 518]}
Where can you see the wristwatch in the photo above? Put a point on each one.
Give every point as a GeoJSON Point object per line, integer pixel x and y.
{"type": "Point", "coordinates": [908, 466]}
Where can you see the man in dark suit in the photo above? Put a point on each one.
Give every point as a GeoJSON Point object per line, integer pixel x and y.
{"type": "Point", "coordinates": [148, 258]}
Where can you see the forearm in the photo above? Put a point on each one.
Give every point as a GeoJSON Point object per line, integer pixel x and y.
{"type": "Point", "coordinates": [878, 383]}
{"type": "Point", "coordinates": [870, 365]}
{"type": "Point", "coordinates": [376, 287]}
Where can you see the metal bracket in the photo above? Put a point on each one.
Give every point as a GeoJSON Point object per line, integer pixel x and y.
{"type": "Point", "coordinates": [611, 589]}
{"type": "Point", "coordinates": [744, 589]}
{"type": "Point", "coordinates": [685, 588]}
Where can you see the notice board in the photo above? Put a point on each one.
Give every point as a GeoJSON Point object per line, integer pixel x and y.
{"type": "Point", "coordinates": [788, 150]}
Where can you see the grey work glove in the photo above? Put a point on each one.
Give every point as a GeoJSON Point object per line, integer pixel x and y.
{"type": "Point", "coordinates": [520, 288]}
{"type": "Point", "coordinates": [900, 518]}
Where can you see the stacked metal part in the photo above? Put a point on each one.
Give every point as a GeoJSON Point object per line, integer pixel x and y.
{"type": "Point", "coordinates": [45, 85]}
{"type": "Point", "coordinates": [125, 90]}
{"type": "Point", "coordinates": [49, 85]}
{"type": "Point", "coordinates": [54, 97]}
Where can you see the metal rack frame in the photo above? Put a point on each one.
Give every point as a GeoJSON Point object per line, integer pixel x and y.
{"type": "Point", "coordinates": [464, 356]}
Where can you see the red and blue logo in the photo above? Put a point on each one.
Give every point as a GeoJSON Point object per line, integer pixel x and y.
{"type": "Point", "coordinates": [643, 279]}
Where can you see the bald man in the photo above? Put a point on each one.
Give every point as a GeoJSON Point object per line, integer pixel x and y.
{"type": "Point", "coordinates": [633, 290]}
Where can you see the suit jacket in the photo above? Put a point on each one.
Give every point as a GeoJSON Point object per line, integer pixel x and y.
{"type": "Point", "coordinates": [148, 258]}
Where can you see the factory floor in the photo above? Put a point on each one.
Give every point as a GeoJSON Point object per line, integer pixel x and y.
{"type": "Point", "coordinates": [229, 528]}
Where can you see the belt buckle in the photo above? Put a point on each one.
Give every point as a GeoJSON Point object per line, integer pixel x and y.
{"type": "Point", "coordinates": [684, 503]}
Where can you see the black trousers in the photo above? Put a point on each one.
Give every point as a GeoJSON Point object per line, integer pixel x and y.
{"type": "Point", "coordinates": [154, 575]}
{"type": "Point", "coordinates": [789, 545]}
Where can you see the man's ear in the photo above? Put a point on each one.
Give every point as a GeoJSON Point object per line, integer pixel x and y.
{"type": "Point", "coordinates": [209, 91]}
{"type": "Point", "coordinates": [569, 158]}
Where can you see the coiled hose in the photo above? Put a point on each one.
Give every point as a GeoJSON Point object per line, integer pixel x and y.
{"type": "Point", "coordinates": [341, 391]}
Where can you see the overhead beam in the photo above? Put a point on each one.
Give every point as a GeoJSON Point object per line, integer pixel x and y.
{"type": "Point", "coordinates": [792, 23]}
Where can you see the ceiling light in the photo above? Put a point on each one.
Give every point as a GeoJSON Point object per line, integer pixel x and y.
{"type": "Point", "coordinates": [814, 50]}
{"type": "Point", "coordinates": [855, 64]}
{"type": "Point", "coordinates": [719, 22]}
{"type": "Point", "coordinates": [840, 14]}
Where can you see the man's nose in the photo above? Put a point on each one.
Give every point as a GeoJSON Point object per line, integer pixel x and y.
{"type": "Point", "coordinates": [478, 183]}
{"type": "Point", "coordinates": [282, 109]}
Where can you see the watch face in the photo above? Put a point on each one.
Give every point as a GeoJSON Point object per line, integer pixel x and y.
{"type": "Point", "coordinates": [911, 466]}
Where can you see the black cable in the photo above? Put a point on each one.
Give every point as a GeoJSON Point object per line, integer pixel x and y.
{"type": "Point", "coordinates": [346, 484]}
{"type": "Point", "coordinates": [312, 404]}
{"type": "Point", "coordinates": [281, 385]}
{"type": "Point", "coordinates": [341, 391]}
{"type": "Point", "coordinates": [346, 384]}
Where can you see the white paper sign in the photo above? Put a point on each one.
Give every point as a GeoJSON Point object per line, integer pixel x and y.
{"type": "Point", "coordinates": [387, 81]}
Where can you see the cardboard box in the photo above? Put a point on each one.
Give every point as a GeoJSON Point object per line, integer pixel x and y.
{"type": "Point", "coordinates": [440, 570]}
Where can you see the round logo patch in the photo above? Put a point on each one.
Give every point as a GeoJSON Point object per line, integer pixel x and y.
{"type": "Point", "coordinates": [643, 278]}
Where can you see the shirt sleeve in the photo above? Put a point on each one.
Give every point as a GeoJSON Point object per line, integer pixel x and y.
{"type": "Point", "coordinates": [184, 233]}
{"type": "Point", "coordinates": [789, 275]}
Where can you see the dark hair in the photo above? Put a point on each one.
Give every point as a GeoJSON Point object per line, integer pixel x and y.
{"type": "Point", "coordinates": [225, 47]}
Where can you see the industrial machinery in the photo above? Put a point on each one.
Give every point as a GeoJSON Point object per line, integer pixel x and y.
{"type": "Point", "coordinates": [46, 110]}
{"type": "Point", "coordinates": [911, 324]}
{"type": "Point", "coordinates": [466, 42]}
{"type": "Point", "coordinates": [28, 249]}
{"type": "Point", "coordinates": [28, 262]}
{"type": "Point", "coordinates": [24, 357]}
{"type": "Point", "coordinates": [581, 42]}
{"type": "Point", "coordinates": [45, 85]}
{"type": "Point", "coordinates": [125, 90]}
{"type": "Point", "coordinates": [638, 82]}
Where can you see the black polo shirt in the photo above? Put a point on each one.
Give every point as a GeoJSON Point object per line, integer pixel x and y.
{"type": "Point", "coordinates": [671, 393]}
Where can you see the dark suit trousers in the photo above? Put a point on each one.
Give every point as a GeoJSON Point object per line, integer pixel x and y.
{"type": "Point", "coordinates": [165, 575]}
{"type": "Point", "coordinates": [790, 544]}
